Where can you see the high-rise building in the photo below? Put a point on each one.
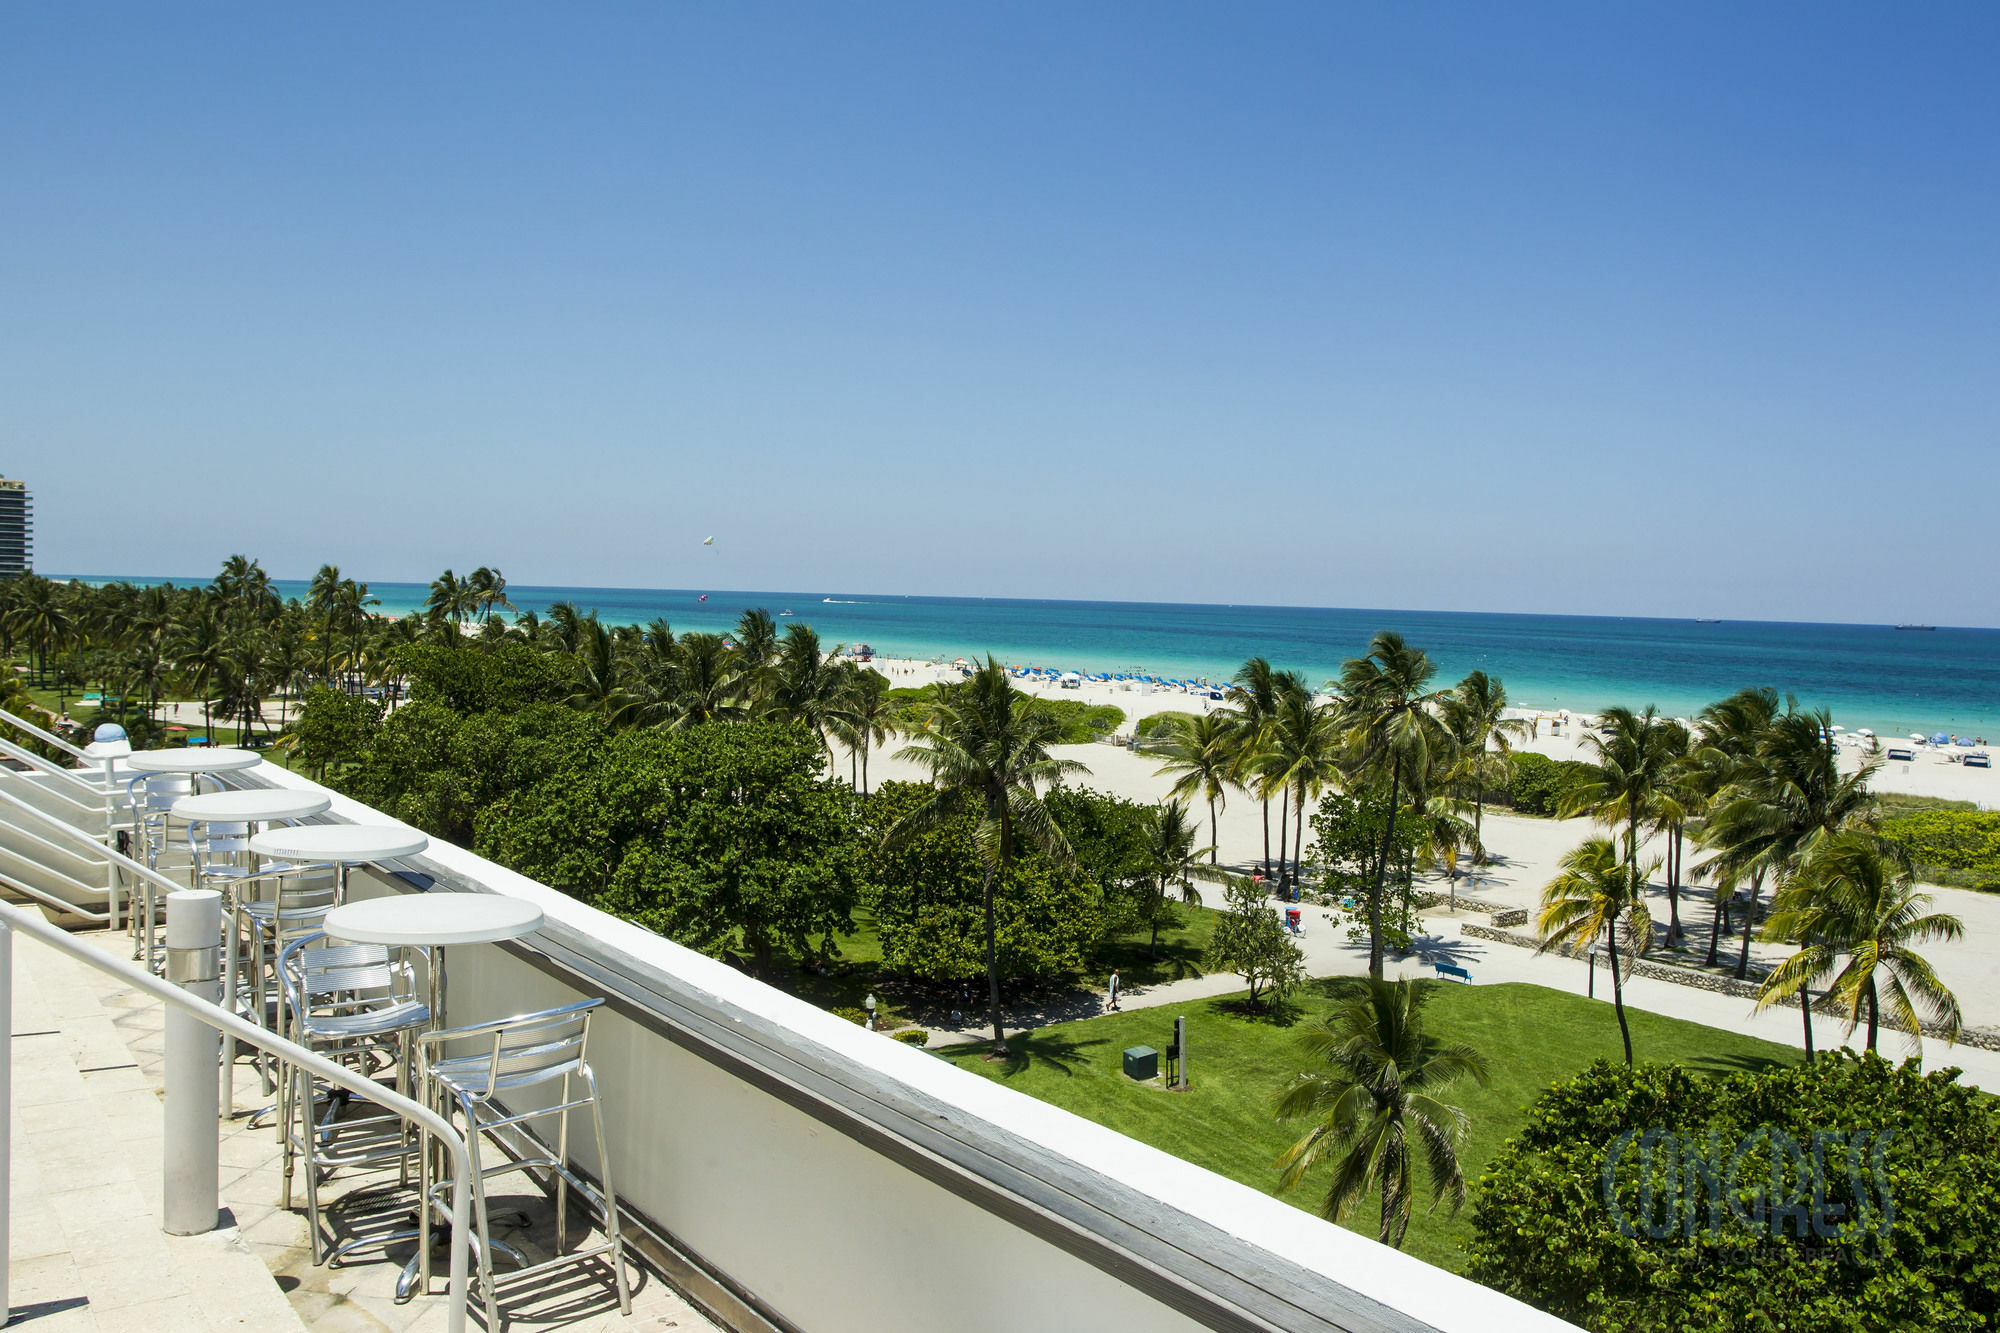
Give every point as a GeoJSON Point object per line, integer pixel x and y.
{"type": "Point", "coordinates": [17, 528]}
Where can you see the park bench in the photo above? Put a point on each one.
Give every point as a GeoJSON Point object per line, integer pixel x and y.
{"type": "Point", "coordinates": [1453, 970]}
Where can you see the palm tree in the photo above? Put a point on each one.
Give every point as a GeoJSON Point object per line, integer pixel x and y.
{"type": "Point", "coordinates": [805, 683]}
{"type": "Point", "coordinates": [864, 717]}
{"type": "Point", "coordinates": [1633, 755]}
{"type": "Point", "coordinates": [41, 616]}
{"type": "Point", "coordinates": [1304, 756]}
{"type": "Point", "coordinates": [756, 648]}
{"type": "Point", "coordinates": [1393, 725]}
{"type": "Point", "coordinates": [986, 746]}
{"type": "Point", "coordinates": [1203, 751]}
{"type": "Point", "coordinates": [1477, 714]}
{"type": "Point", "coordinates": [1254, 697]}
{"type": "Point", "coordinates": [1726, 739]}
{"type": "Point", "coordinates": [1851, 899]}
{"type": "Point", "coordinates": [1378, 1092]}
{"type": "Point", "coordinates": [200, 647]}
{"type": "Point", "coordinates": [1597, 892]}
{"type": "Point", "coordinates": [600, 675]}
{"type": "Point", "coordinates": [1171, 857]}
{"type": "Point", "coordinates": [1789, 796]}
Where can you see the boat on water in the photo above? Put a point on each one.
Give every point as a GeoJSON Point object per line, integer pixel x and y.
{"type": "Point", "coordinates": [1931, 627]}
{"type": "Point", "coordinates": [1706, 620]}
{"type": "Point", "coordinates": [785, 612]}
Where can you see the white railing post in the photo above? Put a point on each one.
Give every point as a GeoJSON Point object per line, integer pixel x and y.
{"type": "Point", "coordinates": [192, 1200]}
{"type": "Point", "coordinates": [6, 1115]}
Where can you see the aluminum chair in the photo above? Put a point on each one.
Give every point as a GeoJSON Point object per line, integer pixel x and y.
{"type": "Point", "coordinates": [517, 1059]}
{"type": "Point", "coordinates": [353, 1002]}
{"type": "Point", "coordinates": [258, 929]}
{"type": "Point", "coordinates": [149, 798]}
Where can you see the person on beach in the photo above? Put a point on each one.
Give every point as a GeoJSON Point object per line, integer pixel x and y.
{"type": "Point", "coordinates": [1112, 987]}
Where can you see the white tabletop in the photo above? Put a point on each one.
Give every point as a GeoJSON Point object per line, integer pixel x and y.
{"type": "Point", "coordinates": [339, 842]}
{"type": "Point", "coordinates": [251, 805]}
{"type": "Point", "coordinates": [434, 918]}
{"type": "Point", "coordinates": [191, 760]}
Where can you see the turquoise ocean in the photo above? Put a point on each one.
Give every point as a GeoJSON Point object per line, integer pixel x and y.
{"type": "Point", "coordinates": [1897, 682]}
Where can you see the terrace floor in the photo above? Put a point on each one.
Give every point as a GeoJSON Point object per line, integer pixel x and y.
{"type": "Point", "coordinates": [87, 1247]}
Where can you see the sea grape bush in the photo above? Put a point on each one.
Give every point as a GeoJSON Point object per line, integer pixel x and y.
{"type": "Point", "coordinates": [1929, 1179]}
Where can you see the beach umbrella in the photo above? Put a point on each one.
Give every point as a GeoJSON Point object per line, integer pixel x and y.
{"type": "Point", "coordinates": [1917, 736]}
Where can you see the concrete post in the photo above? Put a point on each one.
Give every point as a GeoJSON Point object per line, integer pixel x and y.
{"type": "Point", "coordinates": [1180, 1041]}
{"type": "Point", "coordinates": [194, 943]}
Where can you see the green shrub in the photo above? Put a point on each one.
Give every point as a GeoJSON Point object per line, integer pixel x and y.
{"type": "Point", "coordinates": [1967, 840]}
{"type": "Point", "coordinates": [1083, 723]}
{"type": "Point", "coordinates": [1545, 1233]}
{"type": "Point", "coordinates": [859, 1016]}
{"type": "Point", "coordinates": [1537, 784]}
{"type": "Point", "coordinates": [1158, 722]}
{"type": "Point", "coordinates": [913, 1036]}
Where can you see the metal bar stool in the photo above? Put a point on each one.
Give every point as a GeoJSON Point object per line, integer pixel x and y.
{"type": "Point", "coordinates": [508, 1057]}
{"type": "Point", "coordinates": [347, 1002]}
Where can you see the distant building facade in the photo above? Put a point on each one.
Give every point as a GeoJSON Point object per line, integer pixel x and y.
{"type": "Point", "coordinates": [17, 528]}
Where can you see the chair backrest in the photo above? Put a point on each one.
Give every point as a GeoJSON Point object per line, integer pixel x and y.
{"type": "Point", "coordinates": [319, 975]}
{"type": "Point", "coordinates": [155, 793]}
{"type": "Point", "coordinates": [532, 1048]}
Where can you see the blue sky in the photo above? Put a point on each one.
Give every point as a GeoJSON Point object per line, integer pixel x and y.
{"type": "Point", "coordinates": [1668, 309]}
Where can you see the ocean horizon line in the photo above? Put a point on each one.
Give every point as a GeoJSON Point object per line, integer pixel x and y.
{"type": "Point", "coordinates": [193, 580]}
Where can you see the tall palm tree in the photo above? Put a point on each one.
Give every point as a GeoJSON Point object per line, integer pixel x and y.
{"type": "Point", "coordinates": [1598, 893]}
{"type": "Point", "coordinates": [1780, 804]}
{"type": "Point", "coordinates": [707, 686]}
{"type": "Point", "coordinates": [1254, 702]}
{"type": "Point", "coordinates": [1378, 1092]}
{"type": "Point", "coordinates": [1633, 752]}
{"type": "Point", "coordinates": [756, 649]}
{"type": "Point", "coordinates": [1851, 899]}
{"type": "Point", "coordinates": [600, 675]}
{"type": "Point", "coordinates": [1477, 714]}
{"type": "Point", "coordinates": [805, 683]}
{"type": "Point", "coordinates": [200, 647]}
{"type": "Point", "coordinates": [1173, 860]}
{"type": "Point", "coordinates": [41, 616]}
{"type": "Point", "coordinates": [986, 746]}
{"type": "Point", "coordinates": [1203, 751]}
{"type": "Point", "coordinates": [1394, 728]}
{"type": "Point", "coordinates": [865, 717]}
{"type": "Point", "coordinates": [1305, 753]}
{"type": "Point", "coordinates": [1726, 737]}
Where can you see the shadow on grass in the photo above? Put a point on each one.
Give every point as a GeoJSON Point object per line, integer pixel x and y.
{"type": "Point", "coordinates": [1278, 1015]}
{"type": "Point", "coordinates": [1025, 1050]}
{"type": "Point", "coordinates": [1734, 1063]}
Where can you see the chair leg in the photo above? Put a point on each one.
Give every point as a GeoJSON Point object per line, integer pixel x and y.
{"type": "Point", "coordinates": [611, 1231]}
{"type": "Point", "coordinates": [562, 1180]}
{"type": "Point", "coordinates": [480, 1220]}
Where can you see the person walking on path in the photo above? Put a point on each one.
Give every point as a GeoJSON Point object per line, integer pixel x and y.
{"type": "Point", "coordinates": [1112, 1002]}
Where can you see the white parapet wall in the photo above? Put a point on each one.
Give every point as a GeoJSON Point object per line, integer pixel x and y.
{"type": "Point", "coordinates": [805, 1173]}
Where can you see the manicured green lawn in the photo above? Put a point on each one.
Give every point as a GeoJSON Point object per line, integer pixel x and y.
{"type": "Point", "coordinates": [1531, 1037]}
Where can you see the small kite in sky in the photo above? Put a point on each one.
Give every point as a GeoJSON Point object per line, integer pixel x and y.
{"type": "Point", "coordinates": [708, 541]}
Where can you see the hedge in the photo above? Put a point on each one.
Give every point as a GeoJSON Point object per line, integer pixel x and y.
{"type": "Point", "coordinates": [1967, 840]}
{"type": "Point", "coordinates": [1537, 784]}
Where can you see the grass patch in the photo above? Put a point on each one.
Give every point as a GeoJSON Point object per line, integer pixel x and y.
{"type": "Point", "coordinates": [1531, 1037]}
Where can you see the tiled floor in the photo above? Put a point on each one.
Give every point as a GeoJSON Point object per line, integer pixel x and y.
{"type": "Point", "coordinates": [88, 1251]}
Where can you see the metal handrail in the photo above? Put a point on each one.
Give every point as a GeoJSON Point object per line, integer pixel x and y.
{"type": "Point", "coordinates": [222, 1020]}
{"type": "Point", "coordinates": [77, 835]}
{"type": "Point", "coordinates": [63, 905]}
{"type": "Point", "coordinates": [48, 737]}
{"type": "Point", "coordinates": [100, 802]}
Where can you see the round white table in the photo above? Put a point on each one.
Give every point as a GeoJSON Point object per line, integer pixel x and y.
{"type": "Point", "coordinates": [341, 844]}
{"type": "Point", "coordinates": [191, 760]}
{"type": "Point", "coordinates": [252, 805]}
{"type": "Point", "coordinates": [433, 921]}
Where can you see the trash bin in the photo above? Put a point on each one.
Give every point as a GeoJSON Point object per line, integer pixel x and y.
{"type": "Point", "coordinates": [1292, 920]}
{"type": "Point", "coordinates": [1142, 1062]}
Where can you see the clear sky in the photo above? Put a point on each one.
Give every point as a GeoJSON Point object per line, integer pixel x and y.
{"type": "Point", "coordinates": [1659, 309]}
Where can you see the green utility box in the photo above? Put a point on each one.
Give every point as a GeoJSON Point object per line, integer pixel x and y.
{"type": "Point", "coordinates": [1142, 1062]}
